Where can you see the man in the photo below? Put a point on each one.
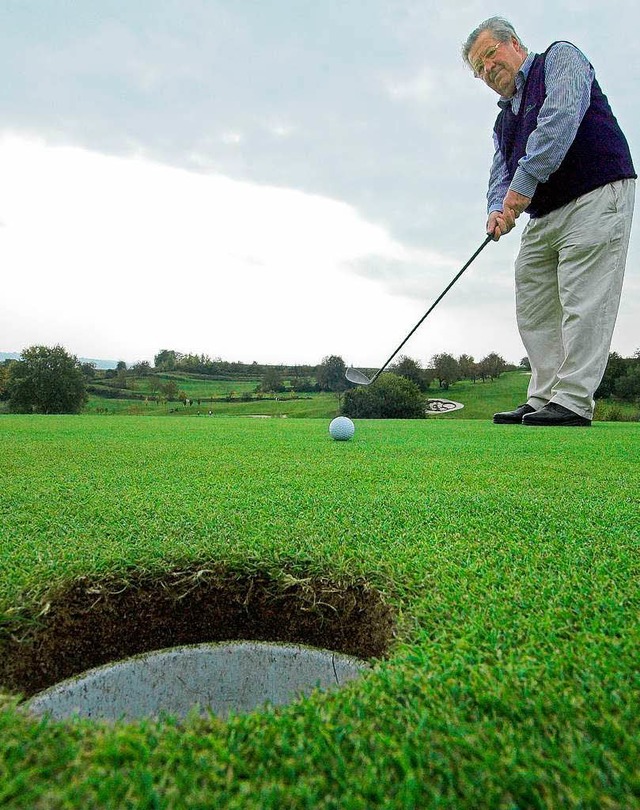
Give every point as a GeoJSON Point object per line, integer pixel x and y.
{"type": "Point", "coordinates": [561, 157]}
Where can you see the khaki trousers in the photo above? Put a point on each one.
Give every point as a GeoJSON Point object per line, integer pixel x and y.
{"type": "Point", "coordinates": [569, 274]}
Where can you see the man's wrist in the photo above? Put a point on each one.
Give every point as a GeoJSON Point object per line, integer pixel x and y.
{"type": "Point", "coordinates": [523, 183]}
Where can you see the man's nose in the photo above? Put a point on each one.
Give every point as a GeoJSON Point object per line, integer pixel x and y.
{"type": "Point", "coordinates": [489, 64]}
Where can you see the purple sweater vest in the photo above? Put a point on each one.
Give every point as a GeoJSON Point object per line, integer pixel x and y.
{"type": "Point", "coordinates": [598, 155]}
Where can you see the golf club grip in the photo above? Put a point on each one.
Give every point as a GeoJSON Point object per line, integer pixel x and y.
{"type": "Point", "coordinates": [435, 304]}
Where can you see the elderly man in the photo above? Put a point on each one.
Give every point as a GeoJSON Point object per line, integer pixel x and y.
{"type": "Point", "coordinates": [561, 157]}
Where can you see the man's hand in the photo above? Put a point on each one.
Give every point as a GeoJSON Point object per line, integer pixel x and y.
{"type": "Point", "coordinates": [515, 202]}
{"type": "Point", "coordinates": [501, 222]}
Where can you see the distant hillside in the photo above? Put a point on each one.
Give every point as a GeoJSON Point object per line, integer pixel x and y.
{"type": "Point", "coordinates": [101, 364]}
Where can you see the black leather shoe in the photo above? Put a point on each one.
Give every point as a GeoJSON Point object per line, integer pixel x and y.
{"type": "Point", "coordinates": [554, 415]}
{"type": "Point", "coordinates": [513, 417]}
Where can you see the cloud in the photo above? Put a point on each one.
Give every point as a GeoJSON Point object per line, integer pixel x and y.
{"type": "Point", "coordinates": [136, 256]}
{"type": "Point", "coordinates": [417, 88]}
{"type": "Point", "coordinates": [280, 129]}
{"type": "Point", "coordinates": [370, 108]}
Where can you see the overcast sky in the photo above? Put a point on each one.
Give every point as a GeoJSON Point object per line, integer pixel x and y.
{"type": "Point", "coordinates": [269, 180]}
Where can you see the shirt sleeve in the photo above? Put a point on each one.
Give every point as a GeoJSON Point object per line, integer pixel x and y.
{"type": "Point", "coordinates": [568, 78]}
{"type": "Point", "coordinates": [498, 179]}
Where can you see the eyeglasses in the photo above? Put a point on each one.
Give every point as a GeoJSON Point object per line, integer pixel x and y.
{"type": "Point", "coordinates": [478, 65]}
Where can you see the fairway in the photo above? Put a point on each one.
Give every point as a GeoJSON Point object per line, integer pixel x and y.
{"type": "Point", "coordinates": [490, 575]}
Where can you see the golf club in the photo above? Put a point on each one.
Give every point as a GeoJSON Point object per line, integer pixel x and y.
{"type": "Point", "coordinates": [358, 378]}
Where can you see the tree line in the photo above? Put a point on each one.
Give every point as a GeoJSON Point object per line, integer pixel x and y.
{"type": "Point", "coordinates": [168, 360]}
{"type": "Point", "coordinates": [50, 380]}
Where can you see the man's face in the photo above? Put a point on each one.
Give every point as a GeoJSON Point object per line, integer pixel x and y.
{"type": "Point", "coordinates": [497, 63]}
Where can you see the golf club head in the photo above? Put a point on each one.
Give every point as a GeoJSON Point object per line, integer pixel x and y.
{"type": "Point", "coordinates": [357, 377]}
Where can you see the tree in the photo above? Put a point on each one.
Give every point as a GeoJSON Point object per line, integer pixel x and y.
{"type": "Point", "coordinates": [491, 366]}
{"type": "Point", "coordinates": [166, 360]}
{"type": "Point", "coordinates": [330, 374]}
{"type": "Point", "coordinates": [141, 369]}
{"type": "Point", "coordinates": [89, 370]}
{"type": "Point", "coordinates": [272, 380]}
{"type": "Point", "coordinates": [46, 380]}
{"type": "Point", "coordinates": [467, 366]}
{"type": "Point", "coordinates": [411, 370]}
{"type": "Point", "coordinates": [121, 375]}
{"type": "Point", "coordinates": [390, 397]}
{"type": "Point", "coordinates": [446, 369]}
{"type": "Point", "coordinates": [169, 390]}
{"type": "Point", "coordinates": [4, 378]}
{"type": "Point", "coordinates": [617, 367]}
{"type": "Point", "coordinates": [302, 384]}
{"type": "Point", "coordinates": [628, 386]}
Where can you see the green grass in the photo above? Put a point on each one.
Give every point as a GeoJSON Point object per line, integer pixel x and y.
{"type": "Point", "coordinates": [196, 388]}
{"type": "Point", "coordinates": [308, 406]}
{"type": "Point", "coordinates": [511, 554]}
{"type": "Point", "coordinates": [482, 399]}
{"type": "Point", "coordinates": [193, 386]}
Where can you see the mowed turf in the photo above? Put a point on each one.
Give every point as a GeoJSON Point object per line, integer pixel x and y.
{"type": "Point", "coordinates": [511, 556]}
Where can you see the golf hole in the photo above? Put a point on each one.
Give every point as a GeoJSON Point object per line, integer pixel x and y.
{"type": "Point", "coordinates": [222, 678]}
{"type": "Point", "coordinates": [300, 633]}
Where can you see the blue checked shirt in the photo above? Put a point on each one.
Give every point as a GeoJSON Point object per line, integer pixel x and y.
{"type": "Point", "coordinates": [568, 78]}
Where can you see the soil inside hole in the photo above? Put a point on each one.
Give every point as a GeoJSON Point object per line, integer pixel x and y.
{"type": "Point", "coordinates": [91, 623]}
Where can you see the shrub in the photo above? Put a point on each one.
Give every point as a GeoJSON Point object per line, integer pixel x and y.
{"type": "Point", "coordinates": [390, 397]}
{"type": "Point", "coordinates": [611, 411]}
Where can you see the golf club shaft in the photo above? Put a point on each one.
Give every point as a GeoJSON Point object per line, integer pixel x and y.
{"type": "Point", "coordinates": [433, 306]}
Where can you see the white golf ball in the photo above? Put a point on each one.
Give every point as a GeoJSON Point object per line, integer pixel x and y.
{"type": "Point", "coordinates": [342, 428]}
